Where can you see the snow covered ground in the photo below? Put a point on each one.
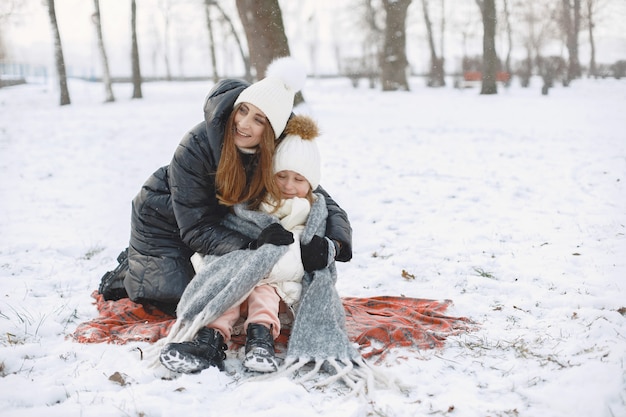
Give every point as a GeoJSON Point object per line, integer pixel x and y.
{"type": "Point", "coordinates": [513, 206]}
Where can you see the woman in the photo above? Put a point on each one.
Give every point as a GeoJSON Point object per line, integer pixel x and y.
{"type": "Point", "coordinates": [222, 161]}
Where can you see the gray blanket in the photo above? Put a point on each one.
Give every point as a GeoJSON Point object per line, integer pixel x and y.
{"type": "Point", "coordinates": [318, 336]}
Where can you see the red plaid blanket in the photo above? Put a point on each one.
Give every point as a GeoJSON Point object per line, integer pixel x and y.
{"type": "Point", "coordinates": [377, 324]}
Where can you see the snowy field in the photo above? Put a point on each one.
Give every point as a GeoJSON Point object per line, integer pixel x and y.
{"type": "Point", "coordinates": [513, 206]}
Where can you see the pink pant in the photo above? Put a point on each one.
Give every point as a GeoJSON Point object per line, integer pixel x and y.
{"type": "Point", "coordinates": [263, 304]}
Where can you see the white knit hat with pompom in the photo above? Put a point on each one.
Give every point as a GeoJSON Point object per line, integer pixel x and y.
{"type": "Point", "coordinates": [298, 151]}
{"type": "Point", "coordinates": [274, 94]}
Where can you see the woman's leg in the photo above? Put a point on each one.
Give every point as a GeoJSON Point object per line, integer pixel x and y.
{"type": "Point", "coordinates": [159, 266]}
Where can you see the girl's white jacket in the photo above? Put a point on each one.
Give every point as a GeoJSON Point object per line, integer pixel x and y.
{"type": "Point", "coordinates": [286, 275]}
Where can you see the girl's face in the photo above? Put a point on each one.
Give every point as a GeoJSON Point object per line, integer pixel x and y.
{"type": "Point", "coordinates": [291, 184]}
{"type": "Point", "coordinates": [250, 123]}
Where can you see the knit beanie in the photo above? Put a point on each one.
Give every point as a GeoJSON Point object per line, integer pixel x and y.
{"type": "Point", "coordinates": [298, 150]}
{"type": "Point", "coordinates": [274, 94]}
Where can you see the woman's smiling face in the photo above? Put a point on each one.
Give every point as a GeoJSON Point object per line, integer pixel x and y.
{"type": "Point", "coordinates": [250, 123]}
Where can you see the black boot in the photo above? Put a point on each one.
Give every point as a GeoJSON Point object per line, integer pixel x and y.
{"type": "Point", "coordinates": [260, 355]}
{"type": "Point", "coordinates": [112, 283]}
{"type": "Point", "coordinates": [205, 350]}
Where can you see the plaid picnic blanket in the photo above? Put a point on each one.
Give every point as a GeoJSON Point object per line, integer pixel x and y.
{"type": "Point", "coordinates": [376, 324]}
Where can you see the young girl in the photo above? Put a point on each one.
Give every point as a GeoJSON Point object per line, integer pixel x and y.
{"type": "Point", "coordinates": [297, 174]}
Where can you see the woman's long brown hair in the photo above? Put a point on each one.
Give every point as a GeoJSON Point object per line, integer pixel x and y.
{"type": "Point", "coordinates": [230, 179]}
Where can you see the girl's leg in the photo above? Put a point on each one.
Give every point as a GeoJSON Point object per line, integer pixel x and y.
{"type": "Point", "coordinates": [263, 304]}
{"type": "Point", "coordinates": [224, 324]}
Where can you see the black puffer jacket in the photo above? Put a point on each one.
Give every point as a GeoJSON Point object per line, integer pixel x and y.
{"type": "Point", "coordinates": [176, 213]}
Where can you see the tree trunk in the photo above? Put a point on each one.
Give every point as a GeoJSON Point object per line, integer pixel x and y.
{"type": "Point", "coordinates": [244, 57]}
{"type": "Point", "coordinates": [134, 55]}
{"type": "Point", "coordinates": [106, 75]}
{"type": "Point", "coordinates": [265, 32]}
{"type": "Point", "coordinates": [58, 55]}
{"type": "Point", "coordinates": [3, 50]}
{"type": "Point", "coordinates": [593, 70]}
{"type": "Point", "coordinates": [571, 26]}
{"type": "Point", "coordinates": [372, 44]}
{"type": "Point", "coordinates": [436, 75]}
{"type": "Point", "coordinates": [442, 38]}
{"type": "Point", "coordinates": [490, 58]}
{"type": "Point", "coordinates": [394, 61]}
{"type": "Point", "coordinates": [209, 25]}
{"type": "Point", "coordinates": [509, 38]}
{"type": "Point", "coordinates": [165, 7]}
{"type": "Point", "coordinates": [575, 59]}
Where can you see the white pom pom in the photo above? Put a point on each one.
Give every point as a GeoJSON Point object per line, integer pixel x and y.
{"type": "Point", "coordinates": [290, 71]}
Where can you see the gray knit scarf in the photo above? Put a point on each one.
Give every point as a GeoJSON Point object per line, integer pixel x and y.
{"type": "Point", "coordinates": [318, 337]}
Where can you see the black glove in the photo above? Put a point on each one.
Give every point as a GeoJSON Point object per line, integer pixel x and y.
{"type": "Point", "coordinates": [274, 234]}
{"type": "Point", "coordinates": [315, 254]}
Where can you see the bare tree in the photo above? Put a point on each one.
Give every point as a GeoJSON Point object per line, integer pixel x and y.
{"type": "Point", "coordinates": [593, 71]}
{"type": "Point", "coordinates": [490, 58]}
{"type": "Point", "coordinates": [165, 7]}
{"type": "Point", "coordinates": [6, 9]}
{"type": "Point", "coordinates": [265, 32]}
{"type": "Point", "coordinates": [374, 42]}
{"type": "Point", "coordinates": [536, 29]}
{"type": "Point", "coordinates": [442, 33]}
{"type": "Point", "coordinates": [371, 20]}
{"type": "Point", "coordinates": [509, 38]}
{"type": "Point", "coordinates": [571, 27]}
{"type": "Point", "coordinates": [465, 24]}
{"type": "Point", "coordinates": [209, 25]}
{"type": "Point", "coordinates": [58, 55]}
{"type": "Point", "coordinates": [106, 75]}
{"type": "Point", "coordinates": [593, 9]}
{"type": "Point", "coordinates": [436, 77]}
{"type": "Point", "coordinates": [11, 11]}
{"type": "Point", "coordinates": [233, 31]}
{"type": "Point", "coordinates": [134, 55]}
{"type": "Point", "coordinates": [394, 61]}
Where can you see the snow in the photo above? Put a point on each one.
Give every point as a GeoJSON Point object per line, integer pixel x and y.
{"type": "Point", "coordinates": [513, 206]}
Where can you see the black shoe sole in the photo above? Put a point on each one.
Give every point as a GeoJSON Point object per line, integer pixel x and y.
{"type": "Point", "coordinates": [181, 362]}
{"type": "Point", "coordinates": [261, 361]}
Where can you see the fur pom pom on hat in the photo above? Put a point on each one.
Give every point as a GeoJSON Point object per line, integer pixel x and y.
{"type": "Point", "coordinates": [274, 94]}
{"type": "Point", "coordinates": [298, 150]}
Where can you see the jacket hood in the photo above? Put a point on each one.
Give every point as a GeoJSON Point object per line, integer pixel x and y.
{"type": "Point", "coordinates": [218, 106]}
